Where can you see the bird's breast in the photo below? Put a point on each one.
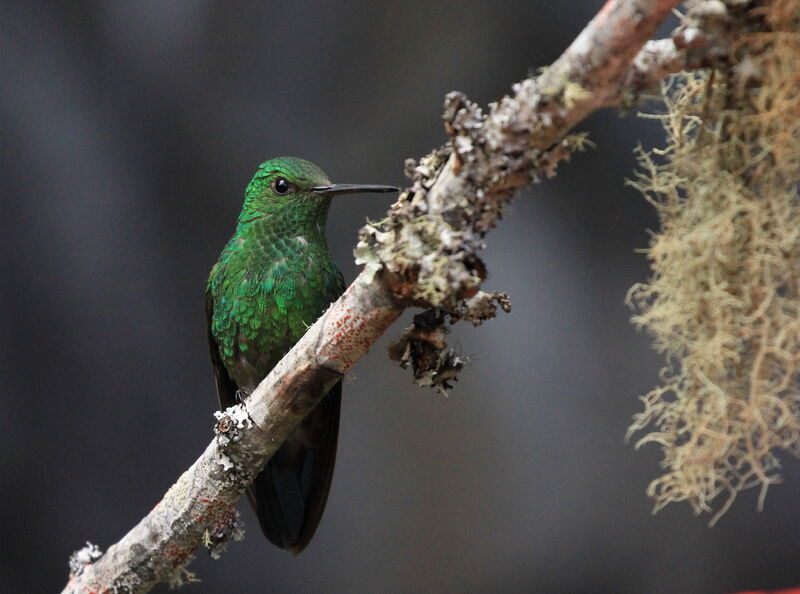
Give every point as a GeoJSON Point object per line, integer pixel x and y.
{"type": "Point", "coordinates": [265, 301]}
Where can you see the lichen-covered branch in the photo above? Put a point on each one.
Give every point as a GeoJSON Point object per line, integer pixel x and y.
{"type": "Point", "coordinates": [424, 253]}
{"type": "Point", "coordinates": [427, 247]}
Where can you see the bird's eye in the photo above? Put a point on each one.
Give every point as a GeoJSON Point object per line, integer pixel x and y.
{"type": "Point", "coordinates": [282, 186]}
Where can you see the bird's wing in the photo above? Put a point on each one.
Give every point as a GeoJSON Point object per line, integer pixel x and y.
{"type": "Point", "coordinates": [226, 389]}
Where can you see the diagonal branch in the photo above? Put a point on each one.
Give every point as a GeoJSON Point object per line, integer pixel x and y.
{"type": "Point", "coordinates": [423, 253]}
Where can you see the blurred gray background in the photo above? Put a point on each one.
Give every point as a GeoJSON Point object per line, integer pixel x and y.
{"type": "Point", "coordinates": [129, 130]}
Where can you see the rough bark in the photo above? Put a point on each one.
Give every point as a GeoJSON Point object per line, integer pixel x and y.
{"type": "Point", "coordinates": [457, 196]}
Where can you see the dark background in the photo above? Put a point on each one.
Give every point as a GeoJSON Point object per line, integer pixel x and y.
{"type": "Point", "coordinates": [129, 130]}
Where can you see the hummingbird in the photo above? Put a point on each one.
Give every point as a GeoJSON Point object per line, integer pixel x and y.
{"type": "Point", "coordinates": [273, 279]}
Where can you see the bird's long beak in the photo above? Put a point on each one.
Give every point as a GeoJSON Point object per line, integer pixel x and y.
{"type": "Point", "coordinates": [336, 189]}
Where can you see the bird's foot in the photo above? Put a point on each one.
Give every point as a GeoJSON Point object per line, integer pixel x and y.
{"type": "Point", "coordinates": [241, 395]}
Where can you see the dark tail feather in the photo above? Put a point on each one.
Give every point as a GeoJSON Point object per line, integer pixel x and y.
{"type": "Point", "coordinates": [289, 495]}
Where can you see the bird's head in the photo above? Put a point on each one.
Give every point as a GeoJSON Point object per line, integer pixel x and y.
{"type": "Point", "coordinates": [295, 193]}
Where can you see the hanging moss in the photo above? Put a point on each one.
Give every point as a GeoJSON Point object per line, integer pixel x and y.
{"type": "Point", "coordinates": [723, 303]}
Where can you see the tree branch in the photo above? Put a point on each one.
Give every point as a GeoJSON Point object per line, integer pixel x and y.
{"type": "Point", "coordinates": [423, 253]}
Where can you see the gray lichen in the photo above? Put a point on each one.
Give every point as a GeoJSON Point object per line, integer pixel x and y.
{"type": "Point", "coordinates": [217, 539]}
{"type": "Point", "coordinates": [229, 424]}
{"type": "Point", "coordinates": [83, 557]}
{"type": "Point", "coordinates": [180, 576]}
{"type": "Point", "coordinates": [422, 346]}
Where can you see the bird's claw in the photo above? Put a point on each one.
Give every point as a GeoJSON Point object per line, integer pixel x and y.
{"type": "Point", "coordinates": [241, 395]}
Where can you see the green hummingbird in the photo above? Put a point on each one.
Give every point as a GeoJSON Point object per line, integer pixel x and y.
{"type": "Point", "coordinates": [273, 279]}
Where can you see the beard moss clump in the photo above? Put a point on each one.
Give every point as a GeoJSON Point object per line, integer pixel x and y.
{"type": "Point", "coordinates": [723, 303]}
